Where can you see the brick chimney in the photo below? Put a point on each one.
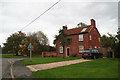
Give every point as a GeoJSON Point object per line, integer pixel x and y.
{"type": "Point", "coordinates": [93, 22]}
{"type": "Point", "coordinates": [65, 27]}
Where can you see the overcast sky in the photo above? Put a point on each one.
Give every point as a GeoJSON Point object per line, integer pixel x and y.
{"type": "Point", "coordinates": [15, 14]}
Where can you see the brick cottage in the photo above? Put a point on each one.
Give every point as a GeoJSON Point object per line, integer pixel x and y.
{"type": "Point", "coordinates": [83, 37]}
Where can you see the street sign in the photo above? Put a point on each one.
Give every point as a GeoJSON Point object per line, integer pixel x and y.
{"type": "Point", "coordinates": [30, 48]}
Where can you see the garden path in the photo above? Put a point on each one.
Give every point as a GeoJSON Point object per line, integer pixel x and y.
{"type": "Point", "coordinates": [55, 64]}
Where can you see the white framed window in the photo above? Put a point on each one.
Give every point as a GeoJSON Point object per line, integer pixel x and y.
{"type": "Point", "coordinates": [90, 37]}
{"type": "Point", "coordinates": [81, 48]}
{"type": "Point", "coordinates": [99, 39]}
{"type": "Point", "coordinates": [81, 37]}
{"type": "Point", "coordinates": [61, 49]}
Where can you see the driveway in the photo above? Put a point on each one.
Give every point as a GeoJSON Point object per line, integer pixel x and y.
{"type": "Point", "coordinates": [55, 64]}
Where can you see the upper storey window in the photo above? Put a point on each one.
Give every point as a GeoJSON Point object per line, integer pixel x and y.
{"type": "Point", "coordinates": [90, 37]}
{"type": "Point", "coordinates": [81, 37]}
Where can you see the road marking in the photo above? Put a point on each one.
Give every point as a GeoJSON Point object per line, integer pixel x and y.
{"type": "Point", "coordinates": [11, 69]}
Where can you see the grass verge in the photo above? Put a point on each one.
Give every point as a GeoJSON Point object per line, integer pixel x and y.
{"type": "Point", "coordinates": [100, 68]}
{"type": "Point", "coordinates": [20, 56]}
{"type": "Point", "coordinates": [44, 60]}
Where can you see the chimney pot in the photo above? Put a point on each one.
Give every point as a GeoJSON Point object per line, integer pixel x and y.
{"type": "Point", "coordinates": [65, 27]}
{"type": "Point", "coordinates": [93, 22]}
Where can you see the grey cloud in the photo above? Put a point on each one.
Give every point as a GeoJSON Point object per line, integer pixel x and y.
{"type": "Point", "coordinates": [15, 15]}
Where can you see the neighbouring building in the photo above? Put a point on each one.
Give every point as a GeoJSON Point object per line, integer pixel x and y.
{"type": "Point", "coordinates": [83, 37]}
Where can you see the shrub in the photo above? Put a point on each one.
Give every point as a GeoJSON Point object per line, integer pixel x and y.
{"type": "Point", "coordinates": [74, 55]}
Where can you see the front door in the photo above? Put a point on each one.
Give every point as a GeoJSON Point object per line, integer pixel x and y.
{"type": "Point", "coordinates": [68, 51]}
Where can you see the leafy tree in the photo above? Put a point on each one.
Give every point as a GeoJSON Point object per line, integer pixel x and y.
{"type": "Point", "coordinates": [13, 42]}
{"type": "Point", "coordinates": [61, 39]}
{"type": "Point", "coordinates": [39, 41]}
{"type": "Point", "coordinates": [107, 41]}
{"type": "Point", "coordinates": [52, 49]}
{"type": "Point", "coordinates": [117, 45]}
{"type": "Point", "coordinates": [33, 40]}
{"type": "Point", "coordinates": [42, 38]}
{"type": "Point", "coordinates": [113, 42]}
{"type": "Point", "coordinates": [18, 43]}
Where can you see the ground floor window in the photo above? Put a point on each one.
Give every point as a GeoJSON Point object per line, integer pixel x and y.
{"type": "Point", "coordinates": [81, 48]}
{"type": "Point", "coordinates": [95, 47]}
{"type": "Point", "coordinates": [61, 49]}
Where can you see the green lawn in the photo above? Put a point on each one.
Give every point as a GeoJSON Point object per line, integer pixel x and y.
{"type": "Point", "coordinates": [43, 60]}
{"type": "Point", "coordinates": [14, 56]}
{"type": "Point", "coordinates": [100, 68]}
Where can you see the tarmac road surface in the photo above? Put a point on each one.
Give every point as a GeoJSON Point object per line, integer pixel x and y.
{"type": "Point", "coordinates": [5, 68]}
{"type": "Point", "coordinates": [11, 68]}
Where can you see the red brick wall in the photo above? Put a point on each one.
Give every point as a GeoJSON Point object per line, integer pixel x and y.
{"type": "Point", "coordinates": [74, 46]}
{"type": "Point", "coordinates": [49, 54]}
{"type": "Point", "coordinates": [95, 38]}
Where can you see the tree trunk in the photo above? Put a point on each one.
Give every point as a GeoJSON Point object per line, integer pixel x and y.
{"type": "Point", "coordinates": [16, 53]}
{"type": "Point", "coordinates": [113, 54]}
{"type": "Point", "coordinates": [56, 54]}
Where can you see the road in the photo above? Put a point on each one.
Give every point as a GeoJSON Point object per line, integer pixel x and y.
{"type": "Point", "coordinates": [7, 67]}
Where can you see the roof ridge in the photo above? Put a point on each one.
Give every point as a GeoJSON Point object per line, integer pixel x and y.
{"type": "Point", "coordinates": [79, 27]}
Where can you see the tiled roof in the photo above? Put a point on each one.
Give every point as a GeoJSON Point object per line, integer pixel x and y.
{"type": "Point", "coordinates": [78, 30]}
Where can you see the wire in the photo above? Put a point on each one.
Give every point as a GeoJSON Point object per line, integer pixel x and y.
{"type": "Point", "coordinates": [40, 15]}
